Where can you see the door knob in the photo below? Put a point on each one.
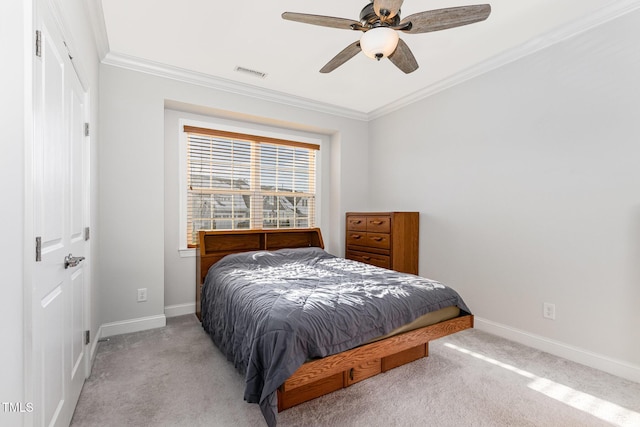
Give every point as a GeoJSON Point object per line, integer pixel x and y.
{"type": "Point", "coordinates": [72, 261]}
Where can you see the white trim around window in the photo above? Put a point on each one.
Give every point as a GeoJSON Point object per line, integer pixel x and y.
{"type": "Point", "coordinates": [242, 128]}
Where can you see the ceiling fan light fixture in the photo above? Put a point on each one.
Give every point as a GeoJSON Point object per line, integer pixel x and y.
{"type": "Point", "coordinates": [379, 42]}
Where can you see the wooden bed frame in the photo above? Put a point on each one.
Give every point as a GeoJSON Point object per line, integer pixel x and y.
{"type": "Point", "coordinates": [321, 376]}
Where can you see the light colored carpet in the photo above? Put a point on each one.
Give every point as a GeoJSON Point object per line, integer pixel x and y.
{"type": "Point", "coordinates": [175, 376]}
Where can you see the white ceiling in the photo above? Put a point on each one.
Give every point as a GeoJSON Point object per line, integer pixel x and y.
{"type": "Point", "coordinates": [211, 38]}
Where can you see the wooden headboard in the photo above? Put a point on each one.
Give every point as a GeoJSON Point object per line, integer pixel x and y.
{"type": "Point", "coordinates": [215, 244]}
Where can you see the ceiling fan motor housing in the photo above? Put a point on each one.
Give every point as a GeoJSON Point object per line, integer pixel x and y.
{"type": "Point", "coordinates": [368, 17]}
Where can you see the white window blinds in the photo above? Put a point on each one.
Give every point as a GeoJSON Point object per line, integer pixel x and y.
{"type": "Point", "coordinates": [238, 181]}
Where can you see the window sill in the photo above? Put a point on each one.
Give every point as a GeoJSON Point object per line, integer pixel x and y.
{"type": "Point", "coordinates": [187, 252]}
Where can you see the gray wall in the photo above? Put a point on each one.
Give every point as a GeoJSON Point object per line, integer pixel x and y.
{"type": "Point", "coordinates": [527, 179]}
{"type": "Point", "coordinates": [135, 189]}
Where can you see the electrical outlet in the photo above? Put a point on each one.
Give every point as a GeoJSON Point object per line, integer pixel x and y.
{"type": "Point", "coordinates": [142, 294]}
{"type": "Point", "coordinates": [549, 311]}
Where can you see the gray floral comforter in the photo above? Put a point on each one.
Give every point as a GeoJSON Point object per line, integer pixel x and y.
{"type": "Point", "coordinates": [268, 312]}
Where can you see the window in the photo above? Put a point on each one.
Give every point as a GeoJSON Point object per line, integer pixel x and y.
{"type": "Point", "coordinates": [239, 181]}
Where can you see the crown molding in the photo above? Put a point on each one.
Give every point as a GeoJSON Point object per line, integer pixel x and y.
{"type": "Point", "coordinates": [201, 79]}
{"type": "Point", "coordinates": [603, 15]}
{"type": "Point", "coordinates": [96, 17]}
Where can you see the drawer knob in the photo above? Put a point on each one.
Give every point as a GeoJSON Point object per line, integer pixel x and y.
{"type": "Point", "coordinates": [376, 222]}
{"type": "Point", "coordinates": [366, 258]}
{"type": "Point", "coordinates": [377, 239]}
{"type": "Point", "coordinates": [357, 221]}
{"type": "Point", "coordinates": [351, 374]}
{"type": "Point", "coordinates": [356, 236]}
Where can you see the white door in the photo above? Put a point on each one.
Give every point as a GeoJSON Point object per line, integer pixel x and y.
{"type": "Point", "coordinates": [60, 192]}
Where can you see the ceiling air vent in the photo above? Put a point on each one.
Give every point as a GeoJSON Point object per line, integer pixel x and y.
{"type": "Point", "coordinates": [250, 72]}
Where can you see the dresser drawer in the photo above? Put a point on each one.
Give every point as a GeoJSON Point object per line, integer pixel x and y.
{"type": "Point", "coordinates": [357, 223]}
{"type": "Point", "coordinates": [368, 240]}
{"type": "Point", "coordinates": [378, 240]}
{"type": "Point", "coordinates": [383, 261]}
{"type": "Point", "coordinates": [358, 238]}
{"type": "Point", "coordinates": [379, 224]}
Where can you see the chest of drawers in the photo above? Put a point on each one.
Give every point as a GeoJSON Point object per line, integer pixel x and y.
{"type": "Point", "coordinates": [384, 239]}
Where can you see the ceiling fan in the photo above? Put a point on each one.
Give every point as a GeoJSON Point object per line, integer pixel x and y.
{"type": "Point", "coordinates": [380, 22]}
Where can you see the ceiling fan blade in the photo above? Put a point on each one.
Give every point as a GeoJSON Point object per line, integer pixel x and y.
{"type": "Point", "coordinates": [403, 58]}
{"type": "Point", "coordinates": [324, 21]}
{"type": "Point", "coordinates": [441, 19]}
{"type": "Point", "coordinates": [347, 53]}
{"type": "Point", "coordinates": [387, 9]}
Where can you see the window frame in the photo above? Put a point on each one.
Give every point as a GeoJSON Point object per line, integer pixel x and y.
{"type": "Point", "coordinates": [259, 131]}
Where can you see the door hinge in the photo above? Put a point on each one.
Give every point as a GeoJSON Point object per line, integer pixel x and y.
{"type": "Point", "coordinates": [38, 43]}
{"type": "Point", "coordinates": [87, 233]}
{"type": "Point", "coordinates": [87, 337]}
{"type": "Point", "coordinates": [86, 129]}
{"type": "Point", "coordinates": [38, 249]}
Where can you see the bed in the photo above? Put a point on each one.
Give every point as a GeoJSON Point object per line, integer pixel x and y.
{"type": "Point", "coordinates": [300, 323]}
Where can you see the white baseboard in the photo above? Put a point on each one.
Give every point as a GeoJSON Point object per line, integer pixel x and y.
{"type": "Point", "coordinates": [179, 309]}
{"type": "Point", "coordinates": [133, 325]}
{"type": "Point", "coordinates": [575, 354]}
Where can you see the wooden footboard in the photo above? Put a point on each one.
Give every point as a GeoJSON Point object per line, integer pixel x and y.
{"type": "Point", "coordinates": [323, 376]}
